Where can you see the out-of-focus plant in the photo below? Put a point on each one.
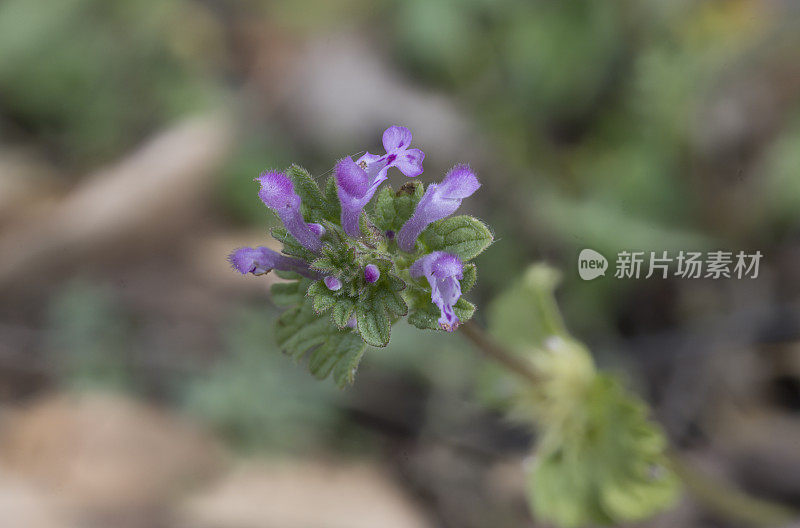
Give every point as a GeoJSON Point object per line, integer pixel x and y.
{"type": "Point", "coordinates": [257, 400]}
{"type": "Point", "coordinates": [353, 271]}
{"type": "Point", "coordinates": [89, 337]}
{"type": "Point", "coordinates": [89, 77]}
{"type": "Point", "coordinates": [620, 124]}
{"type": "Point", "coordinates": [600, 460]}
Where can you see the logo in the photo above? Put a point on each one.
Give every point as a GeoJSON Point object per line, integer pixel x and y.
{"type": "Point", "coordinates": [716, 264]}
{"type": "Point", "coordinates": [591, 264]}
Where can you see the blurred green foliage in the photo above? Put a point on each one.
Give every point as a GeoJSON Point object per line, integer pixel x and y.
{"type": "Point", "coordinates": [91, 77]}
{"type": "Point", "coordinates": [599, 458]}
{"type": "Point", "coordinates": [257, 399]}
{"type": "Point", "coordinates": [89, 336]}
{"type": "Point", "coordinates": [614, 121]}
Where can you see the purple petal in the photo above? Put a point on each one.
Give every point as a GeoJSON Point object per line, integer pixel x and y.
{"type": "Point", "coordinates": [371, 273]}
{"type": "Point", "coordinates": [396, 137]}
{"type": "Point", "coordinates": [261, 260]}
{"type": "Point", "coordinates": [439, 201]}
{"type": "Point", "coordinates": [443, 272]}
{"type": "Point", "coordinates": [355, 189]}
{"type": "Point", "coordinates": [277, 191]}
{"type": "Point", "coordinates": [351, 178]}
{"type": "Point", "coordinates": [367, 158]}
{"type": "Point", "coordinates": [459, 183]}
{"type": "Point", "coordinates": [410, 162]}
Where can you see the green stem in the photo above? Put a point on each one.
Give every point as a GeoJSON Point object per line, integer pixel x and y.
{"type": "Point", "coordinates": [498, 353]}
{"type": "Point", "coordinates": [717, 496]}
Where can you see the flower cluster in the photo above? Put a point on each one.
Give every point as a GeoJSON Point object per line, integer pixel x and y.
{"type": "Point", "coordinates": [366, 256]}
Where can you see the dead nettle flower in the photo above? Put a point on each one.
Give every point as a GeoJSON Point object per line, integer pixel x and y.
{"type": "Point", "coordinates": [357, 181]}
{"type": "Point", "coordinates": [363, 283]}
{"type": "Point", "coordinates": [277, 193]}
{"type": "Point", "coordinates": [439, 201]}
{"type": "Point", "coordinates": [443, 271]}
{"type": "Point", "coordinates": [396, 140]}
{"type": "Point", "coordinates": [261, 260]}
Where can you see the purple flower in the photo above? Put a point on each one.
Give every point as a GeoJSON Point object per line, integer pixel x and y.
{"type": "Point", "coordinates": [443, 271]}
{"type": "Point", "coordinates": [261, 260]}
{"type": "Point", "coordinates": [355, 188]}
{"type": "Point", "coordinates": [396, 140]}
{"type": "Point", "coordinates": [439, 201]}
{"type": "Point", "coordinates": [277, 193]}
{"type": "Point", "coordinates": [358, 181]}
{"type": "Point", "coordinates": [332, 283]}
{"type": "Point", "coordinates": [371, 273]}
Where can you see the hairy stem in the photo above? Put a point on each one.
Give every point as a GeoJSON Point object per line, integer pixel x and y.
{"type": "Point", "coordinates": [498, 353]}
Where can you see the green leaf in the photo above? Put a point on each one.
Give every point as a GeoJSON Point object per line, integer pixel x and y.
{"type": "Point", "coordinates": [425, 314]}
{"type": "Point", "coordinates": [392, 301]}
{"type": "Point", "coordinates": [526, 314]}
{"type": "Point", "coordinates": [342, 311]}
{"type": "Point", "coordinates": [300, 331]}
{"type": "Point", "coordinates": [384, 213]}
{"type": "Point", "coordinates": [340, 356]}
{"type": "Point", "coordinates": [333, 209]}
{"type": "Point", "coordinates": [322, 299]}
{"type": "Point", "coordinates": [470, 277]}
{"type": "Point", "coordinates": [324, 264]}
{"type": "Point", "coordinates": [462, 235]}
{"type": "Point", "coordinates": [405, 201]}
{"type": "Point", "coordinates": [289, 293]}
{"type": "Point", "coordinates": [290, 244]}
{"type": "Point", "coordinates": [602, 465]}
{"type": "Point", "coordinates": [313, 203]}
{"type": "Point", "coordinates": [372, 320]}
{"type": "Point", "coordinates": [393, 209]}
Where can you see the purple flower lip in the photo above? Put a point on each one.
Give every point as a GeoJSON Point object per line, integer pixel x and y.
{"type": "Point", "coordinates": [261, 260]}
{"type": "Point", "coordinates": [443, 272]}
{"type": "Point", "coordinates": [396, 140]}
{"type": "Point", "coordinates": [277, 193]}
{"type": "Point", "coordinates": [371, 273]}
{"type": "Point", "coordinates": [333, 283]}
{"type": "Point", "coordinates": [439, 201]}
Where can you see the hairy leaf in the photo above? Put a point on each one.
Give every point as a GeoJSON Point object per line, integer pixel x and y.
{"type": "Point", "coordinates": [313, 203]}
{"type": "Point", "coordinates": [290, 244]}
{"type": "Point", "coordinates": [322, 299]}
{"type": "Point", "coordinates": [470, 277]}
{"type": "Point", "coordinates": [289, 293]}
{"type": "Point", "coordinates": [373, 322]}
{"type": "Point", "coordinates": [300, 331]}
{"type": "Point", "coordinates": [462, 235]}
{"type": "Point", "coordinates": [602, 465]}
{"type": "Point", "coordinates": [393, 209]}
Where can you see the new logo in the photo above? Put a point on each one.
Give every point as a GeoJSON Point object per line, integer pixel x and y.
{"type": "Point", "coordinates": [591, 264]}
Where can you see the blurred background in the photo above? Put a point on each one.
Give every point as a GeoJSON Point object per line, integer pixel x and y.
{"type": "Point", "coordinates": [139, 383]}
